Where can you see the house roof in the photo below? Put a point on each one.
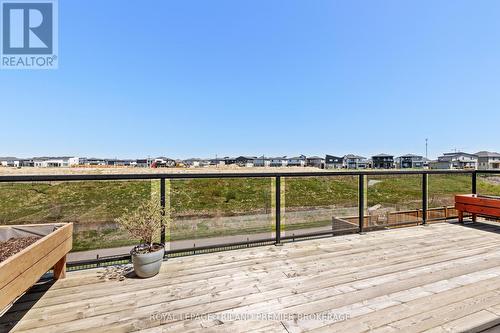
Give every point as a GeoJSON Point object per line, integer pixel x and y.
{"type": "Point", "coordinates": [458, 153]}
{"type": "Point", "coordinates": [411, 155]}
{"type": "Point", "coordinates": [383, 155]}
{"type": "Point", "coordinates": [315, 158]}
{"type": "Point", "coordinates": [354, 156]}
{"type": "Point", "coordinates": [118, 160]}
{"type": "Point", "coordinates": [45, 158]}
{"type": "Point", "coordinates": [487, 154]}
{"type": "Point", "coordinates": [247, 157]}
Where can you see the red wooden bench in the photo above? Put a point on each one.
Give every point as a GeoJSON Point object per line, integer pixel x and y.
{"type": "Point", "coordinates": [474, 204]}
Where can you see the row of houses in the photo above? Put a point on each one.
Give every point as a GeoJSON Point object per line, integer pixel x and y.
{"type": "Point", "coordinates": [350, 161]}
{"type": "Point", "coordinates": [380, 161]}
{"type": "Point", "coordinates": [262, 161]}
{"type": "Point", "coordinates": [68, 161]}
{"type": "Point", "coordinates": [40, 162]}
{"type": "Point", "coordinates": [482, 160]}
{"type": "Point", "coordinates": [243, 161]}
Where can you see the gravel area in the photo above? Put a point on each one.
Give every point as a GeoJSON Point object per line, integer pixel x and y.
{"type": "Point", "coordinates": [15, 245]}
{"type": "Point", "coordinates": [117, 273]}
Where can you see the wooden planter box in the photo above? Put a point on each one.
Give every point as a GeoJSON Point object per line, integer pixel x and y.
{"type": "Point", "coordinates": [20, 271]}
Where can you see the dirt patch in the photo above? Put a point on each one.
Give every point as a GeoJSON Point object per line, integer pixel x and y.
{"type": "Point", "coordinates": [492, 180]}
{"type": "Point", "coordinates": [15, 245]}
{"type": "Point", "coordinates": [372, 182]}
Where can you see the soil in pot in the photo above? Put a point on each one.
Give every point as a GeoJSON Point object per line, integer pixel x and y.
{"type": "Point", "coordinates": [147, 263]}
{"type": "Point", "coordinates": [15, 245]}
{"type": "Point", "coordinates": [146, 248]}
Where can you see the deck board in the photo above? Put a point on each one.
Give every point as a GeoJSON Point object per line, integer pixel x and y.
{"type": "Point", "coordinates": [434, 278]}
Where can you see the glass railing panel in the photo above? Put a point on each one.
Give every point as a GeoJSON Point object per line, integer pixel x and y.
{"type": "Point", "coordinates": [210, 212]}
{"type": "Point", "coordinates": [393, 200]}
{"type": "Point", "coordinates": [488, 184]}
{"type": "Point", "coordinates": [442, 190]}
{"type": "Point", "coordinates": [319, 204]}
{"type": "Point", "coordinates": [92, 206]}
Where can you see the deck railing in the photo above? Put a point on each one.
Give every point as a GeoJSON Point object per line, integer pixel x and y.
{"type": "Point", "coordinates": [377, 207]}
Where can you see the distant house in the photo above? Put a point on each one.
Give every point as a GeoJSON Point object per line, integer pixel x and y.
{"type": "Point", "coordinates": [56, 162]}
{"type": "Point", "coordinates": [163, 162]}
{"type": "Point", "coordinates": [229, 160]}
{"type": "Point", "coordinates": [383, 161]}
{"type": "Point", "coordinates": [39, 162]}
{"type": "Point", "coordinates": [426, 162]}
{"type": "Point", "coordinates": [217, 161]}
{"type": "Point", "coordinates": [192, 162]}
{"type": "Point", "coordinates": [10, 161]}
{"type": "Point", "coordinates": [118, 163]}
{"type": "Point", "coordinates": [26, 162]}
{"type": "Point", "coordinates": [77, 161]}
{"type": "Point", "coordinates": [299, 161]}
{"type": "Point", "coordinates": [278, 161]}
{"type": "Point", "coordinates": [411, 161]}
{"type": "Point", "coordinates": [98, 161]}
{"type": "Point", "coordinates": [457, 160]}
{"type": "Point", "coordinates": [356, 162]}
{"type": "Point", "coordinates": [316, 161]}
{"type": "Point", "coordinates": [144, 162]}
{"type": "Point", "coordinates": [488, 160]}
{"type": "Point", "coordinates": [245, 161]}
{"type": "Point", "coordinates": [262, 162]}
{"type": "Point", "coordinates": [334, 162]}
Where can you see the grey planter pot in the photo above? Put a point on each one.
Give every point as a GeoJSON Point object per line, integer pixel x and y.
{"type": "Point", "coordinates": [147, 264]}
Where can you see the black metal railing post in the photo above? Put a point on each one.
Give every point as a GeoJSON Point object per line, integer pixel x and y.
{"type": "Point", "coordinates": [162, 203]}
{"type": "Point", "coordinates": [474, 182]}
{"type": "Point", "coordinates": [361, 202]}
{"type": "Point", "coordinates": [278, 210]}
{"type": "Point", "coordinates": [474, 191]}
{"type": "Point", "coordinates": [425, 197]}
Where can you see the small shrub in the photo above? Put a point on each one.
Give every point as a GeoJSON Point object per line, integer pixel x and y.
{"type": "Point", "coordinates": [145, 223]}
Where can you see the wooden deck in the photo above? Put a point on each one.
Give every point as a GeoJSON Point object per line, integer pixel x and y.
{"type": "Point", "coordinates": [440, 278]}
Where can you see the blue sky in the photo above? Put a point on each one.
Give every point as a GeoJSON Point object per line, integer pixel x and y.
{"type": "Point", "coordinates": [200, 78]}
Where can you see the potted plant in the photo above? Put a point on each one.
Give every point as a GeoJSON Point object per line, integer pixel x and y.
{"type": "Point", "coordinates": [145, 224]}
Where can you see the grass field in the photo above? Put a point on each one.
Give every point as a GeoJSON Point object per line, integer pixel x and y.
{"type": "Point", "coordinates": [94, 206]}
